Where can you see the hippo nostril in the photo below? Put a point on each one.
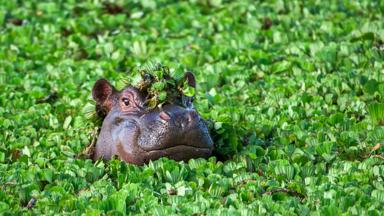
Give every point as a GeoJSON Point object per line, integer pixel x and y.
{"type": "Point", "coordinates": [163, 115]}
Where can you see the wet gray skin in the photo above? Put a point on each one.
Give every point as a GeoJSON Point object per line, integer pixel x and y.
{"type": "Point", "coordinates": [137, 135]}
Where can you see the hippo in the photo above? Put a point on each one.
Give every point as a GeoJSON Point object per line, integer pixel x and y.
{"type": "Point", "coordinates": [136, 134]}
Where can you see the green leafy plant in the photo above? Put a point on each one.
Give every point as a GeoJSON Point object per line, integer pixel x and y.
{"type": "Point", "coordinates": [160, 86]}
{"type": "Point", "coordinates": [293, 90]}
{"type": "Point", "coordinates": [376, 111]}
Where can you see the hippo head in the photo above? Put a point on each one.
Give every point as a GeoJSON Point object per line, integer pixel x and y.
{"type": "Point", "coordinates": [136, 134]}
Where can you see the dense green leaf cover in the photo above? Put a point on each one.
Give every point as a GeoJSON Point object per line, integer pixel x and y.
{"type": "Point", "coordinates": [160, 86]}
{"type": "Point", "coordinates": [295, 90]}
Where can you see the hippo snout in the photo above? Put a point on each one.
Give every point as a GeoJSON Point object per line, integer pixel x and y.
{"type": "Point", "coordinates": [174, 126]}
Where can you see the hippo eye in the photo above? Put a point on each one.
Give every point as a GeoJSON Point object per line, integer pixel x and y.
{"type": "Point", "coordinates": [125, 101]}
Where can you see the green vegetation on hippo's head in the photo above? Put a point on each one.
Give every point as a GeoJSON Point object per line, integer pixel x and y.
{"type": "Point", "coordinates": [160, 86]}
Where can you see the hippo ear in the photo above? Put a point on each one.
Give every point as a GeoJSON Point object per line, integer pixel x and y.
{"type": "Point", "coordinates": [190, 79]}
{"type": "Point", "coordinates": [102, 90]}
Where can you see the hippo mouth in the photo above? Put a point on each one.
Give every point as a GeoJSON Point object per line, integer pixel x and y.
{"type": "Point", "coordinates": [177, 147]}
{"type": "Point", "coordinates": [179, 152]}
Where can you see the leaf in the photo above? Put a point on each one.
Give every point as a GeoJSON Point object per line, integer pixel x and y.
{"type": "Point", "coordinates": [2, 156]}
{"type": "Point", "coordinates": [371, 86]}
{"type": "Point", "coordinates": [67, 122]}
{"type": "Point", "coordinates": [365, 36]}
{"type": "Point", "coordinates": [47, 175]}
{"type": "Point", "coordinates": [189, 91]}
{"type": "Point", "coordinates": [376, 112]}
{"type": "Point", "coordinates": [280, 67]}
{"type": "Point", "coordinates": [378, 194]}
{"type": "Point", "coordinates": [286, 171]}
{"type": "Point", "coordinates": [324, 148]}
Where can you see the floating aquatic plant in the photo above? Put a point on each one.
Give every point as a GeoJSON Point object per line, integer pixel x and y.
{"type": "Point", "coordinates": [160, 86]}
